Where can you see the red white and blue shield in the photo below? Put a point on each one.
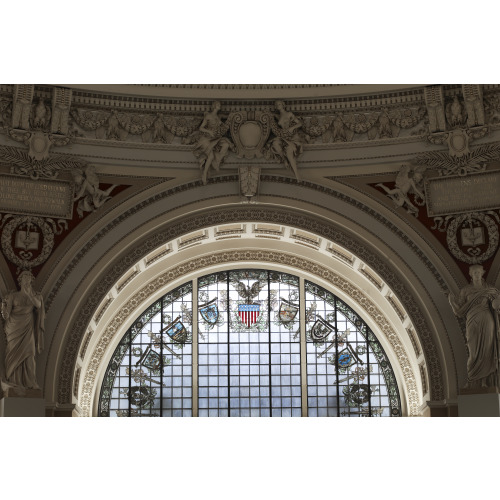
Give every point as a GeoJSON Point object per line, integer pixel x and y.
{"type": "Point", "coordinates": [249, 313]}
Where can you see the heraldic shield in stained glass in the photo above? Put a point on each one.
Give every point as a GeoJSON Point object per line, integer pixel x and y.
{"type": "Point", "coordinates": [250, 334]}
{"type": "Point", "coordinates": [209, 312]}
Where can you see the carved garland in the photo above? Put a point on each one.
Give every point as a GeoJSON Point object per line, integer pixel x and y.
{"type": "Point", "coordinates": [141, 297]}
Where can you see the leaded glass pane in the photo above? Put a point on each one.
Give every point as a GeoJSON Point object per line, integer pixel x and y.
{"type": "Point", "coordinates": [249, 359]}
{"type": "Point", "coordinates": [348, 373]}
{"type": "Point", "coordinates": [150, 374]}
{"type": "Point", "coordinates": [249, 344]}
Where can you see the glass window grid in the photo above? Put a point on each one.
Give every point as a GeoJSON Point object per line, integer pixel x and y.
{"type": "Point", "coordinates": [253, 371]}
{"type": "Point", "coordinates": [248, 371]}
{"type": "Point", "coordinates": [367, 387]}
{"type": "Point", "coordinates": [162, 386]}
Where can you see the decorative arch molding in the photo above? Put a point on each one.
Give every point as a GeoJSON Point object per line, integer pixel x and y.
{"type": "Point", "coordinates": [143, 297]}
{"type": "Point", "coordinates": [230, 214]}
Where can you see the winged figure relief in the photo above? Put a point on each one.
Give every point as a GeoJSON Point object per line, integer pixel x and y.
{"type": "Point", "coordinates": [408, 181]}
{"type": "Point", "coordinates": [88, 194]}
{"type": "Point", "coordinates": [248, 293]}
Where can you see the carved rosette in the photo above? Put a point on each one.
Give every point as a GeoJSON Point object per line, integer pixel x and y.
{"type": "Point", "coordinates": [250, 131]}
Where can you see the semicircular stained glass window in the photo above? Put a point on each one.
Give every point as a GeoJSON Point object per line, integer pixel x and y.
{"type": "Point", "coordinates": [261, 343]}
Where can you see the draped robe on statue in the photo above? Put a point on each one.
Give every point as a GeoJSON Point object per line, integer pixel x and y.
{"type": "Point", "coordinates": [482, 330]}
{"type": "Point", "coordinates": [24, 330]}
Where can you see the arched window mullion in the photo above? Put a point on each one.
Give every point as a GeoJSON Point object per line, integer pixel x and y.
{"type": "Point", "coordinates": [335, 336]}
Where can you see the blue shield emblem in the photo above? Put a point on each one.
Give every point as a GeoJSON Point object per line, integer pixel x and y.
{"type": "Point", "coordinates": [209, 312]}
{"type": "Point", "coordinates": [176, 331]}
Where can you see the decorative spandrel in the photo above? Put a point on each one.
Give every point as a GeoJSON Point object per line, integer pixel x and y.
{"type": "Point", "coordinates": [348, 373]}
{"type": "Point", "coordinates": [150, 374]}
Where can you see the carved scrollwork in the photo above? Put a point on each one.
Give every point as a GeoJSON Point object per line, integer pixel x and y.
{"type": "Point", "coordinates": [250, 132]}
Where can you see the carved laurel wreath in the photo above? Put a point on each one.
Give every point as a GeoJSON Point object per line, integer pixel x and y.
{"type": "Point", "coordinates": [451, 238]}
{"type": "Point", "coordinates": [47, 245]}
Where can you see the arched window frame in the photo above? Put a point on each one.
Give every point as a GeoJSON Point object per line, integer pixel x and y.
{"type": "Point", "coordinates": [134, 330]}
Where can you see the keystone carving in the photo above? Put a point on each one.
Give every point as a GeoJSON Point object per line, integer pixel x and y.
{"type": "Point", "coordinates": [249, 181]}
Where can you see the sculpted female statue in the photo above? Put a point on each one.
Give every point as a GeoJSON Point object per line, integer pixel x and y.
{"type": "Point", "coordinates": [24, 317]}
{"type": "Point", "coordinates": [286, 146]}
{"type": "Point", "coordinates": [479, 303]}
{"type": "Point", "coordinates": [212, 147]}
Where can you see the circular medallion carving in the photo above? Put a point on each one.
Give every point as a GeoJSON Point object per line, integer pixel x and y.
{"type": "Point", "coordinates": [21, 246]}
{"type": "Point", "coordinates": [474, 243]}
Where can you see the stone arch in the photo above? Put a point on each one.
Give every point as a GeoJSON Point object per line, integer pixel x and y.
{"type": "Point", "coordinates": [116, 271]}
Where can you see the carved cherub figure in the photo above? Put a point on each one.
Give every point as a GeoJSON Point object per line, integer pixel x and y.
{"type": "Point", "coordinates": [87, 190]}
{"type": "Point", "coordinates": [408, 181]}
